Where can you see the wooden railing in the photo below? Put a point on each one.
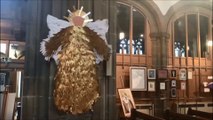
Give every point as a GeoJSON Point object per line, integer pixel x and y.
{"type": "Point", "coordinates": [169, 115]}
{"type": "Point", "coordinates": [200, 114]}
{"type": "Point", "coordinates": [136, 114]}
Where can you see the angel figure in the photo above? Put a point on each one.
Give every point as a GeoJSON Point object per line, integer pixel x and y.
{"type": "Point", "coordinates": [76, 46]}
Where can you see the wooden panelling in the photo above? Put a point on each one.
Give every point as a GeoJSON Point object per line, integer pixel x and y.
{"type": "Point", "coordinates": [209, 63]}
{"type": "Point", "coordinates": [191, 87]}
{"type": "Point", "coordinates": [203, 79]}
{"type": "Point", "coordinates": [170, 61]}
{"type": "Point", "coordinates": [134, 60]}
{"type": "Point", "coordinates": [183, 61]}
{"type": "Point", "coordinates": [149, 61]}
{"type": "Point", "coordinates": [122, 59]}
{"type": "Point", "coordinates": [122, 76]}
{"type": "Point", "coordinates": [138, 60]}
{"type": "Point", "coordinates": [196, 61]}
{"type": "Point", "coordinates": [203, 62]}
{"type": "Point", "coordinates": [190, 61]}
{"type": "Point", "coordinates": [209, 72]}
{"type": "Point", "coordinates": [203, 72]}
{"type": "Point", "coordinates": [177, 62]}
{"type": "Point", "coordinates": [181, 93]}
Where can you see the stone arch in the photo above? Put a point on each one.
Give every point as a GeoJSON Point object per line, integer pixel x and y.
{"type": "Point", "coordinates": [182, 7]}
{"type": "Point", "coordinates": [149, 10]}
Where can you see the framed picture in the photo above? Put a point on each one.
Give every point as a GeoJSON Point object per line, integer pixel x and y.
{"type": "Point", "coordinates": [151, 86]}
{"type": "Point", "coordinates": [206, 90]}
{"type": "Point", "coordinates": [182, 74]}
{"type": "Point", "coordinates": [173, 73]}
{"type": "Point", "coordinates": [4, 48]}
{"type": "Point", "coordinates": [162, 86]}
{"type": "Point", "coordinates": [162, 74]}
{"type": "Point", "coordinates": [173, 92]}
{"type": "Point", "coordinates": [151, 74]}
{"type": "Point", "coordinates": [16, 50]}
{"type": "Point", "coordinates": [138, 79]}
{"type": "Point", "coordinates": [173, 83]}
{"type": "Point", "coordinates": [183, 86]}
{"type": "Point", "coordinates": [210, 77]}
{"type": "Point", "coordinates": [189, 74]}
{"type": "Point", "coordinates": [12, 50]}
{"type": "Point", "coordinates": [127, 101]}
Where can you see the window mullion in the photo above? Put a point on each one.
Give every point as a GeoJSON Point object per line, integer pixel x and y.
{"type": "Point", "coordinates": [187, 39]}
{"type": "Point", "coordinates": [131, 33]}
{"type": "Point", "coordinates": [173, 43]}
{"type": "Point", "coordinates": [198, 37]}
{"type": "Point", "coordinates": [210, 37]}
{"type": "Point", "coordinates": [146, 39]}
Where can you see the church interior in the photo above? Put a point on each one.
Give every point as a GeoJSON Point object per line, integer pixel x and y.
{"type": "Point", "coordinates": [106, 60]}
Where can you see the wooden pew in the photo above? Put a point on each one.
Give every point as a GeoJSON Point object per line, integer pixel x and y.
{"type": "Point", "coordinates": [169, 115]}
{"type": "Point", "coordinates": [136, 114]}
{"type": "Point", "coordinates": [200, 114]}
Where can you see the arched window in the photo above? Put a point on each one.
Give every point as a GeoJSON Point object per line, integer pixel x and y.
{"type": "Point", "coordinates": [130, 29]}
{"type": "Point", "coordinates": [191, 35]}
{"type": "Point", "coordinates": [133, 43]}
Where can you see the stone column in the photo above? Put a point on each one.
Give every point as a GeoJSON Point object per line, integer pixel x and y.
{"type": "Point", "coordinates": [35, 83]}
{"type": "Point", "coordinates": [159, 55]}
{"type": "Point", "coordinates": [164, 49]}
{"type": "Point", "coordinates": [105, 109]}
{"type": "Point", "coordinates": [156, 62]}
{"type": "Point", "coordinates": [159, 49]}
{"type": "Point", "coordinates": [156, 59]}
{"type": "Point", "coordinates": [165, 95]}
{"type": "Point", "coordinates": [112, 40]}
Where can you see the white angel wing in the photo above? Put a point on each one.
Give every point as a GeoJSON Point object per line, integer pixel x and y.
{"type": "Point", "coordinates": [99, 58]}
{"type": "Point", "coordinates": [55, 55]}
{"type": "Point", "coordinates": [101, 28]}
{"type": "Point", "coordinates": [55, 25]}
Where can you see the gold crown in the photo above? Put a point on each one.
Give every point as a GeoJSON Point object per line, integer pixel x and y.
{"type": "Point", "coordinates": [78, 17]}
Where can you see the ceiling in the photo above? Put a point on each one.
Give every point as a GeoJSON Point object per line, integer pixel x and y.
{"type": "Point", "coordinates": [164, 5]}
